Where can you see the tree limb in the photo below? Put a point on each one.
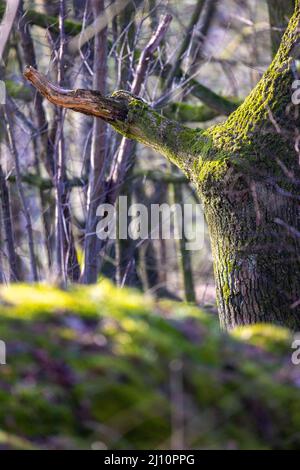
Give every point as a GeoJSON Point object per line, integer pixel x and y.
{"type": "Point", "coordinates": [45, 21]}
{"type": "Point", "coordinates": [133, 118]}
{"type": "Point", "coordinates": [128, 115]}
{"type": "Point", "coordinates": [176, 67]}
{"type": "Point", "coordinates": [186, 112]}
{"type": "Point", "coordinates": [87, 102]}
{"type": "Point", "coordinates": [220, 104]}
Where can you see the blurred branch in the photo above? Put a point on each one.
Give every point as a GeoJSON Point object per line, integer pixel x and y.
{"type": "Point", "coordinates": [219, 103]}
{"type": "Point", "coordinates": [120, 169]}
{"type": "Point", "coordinates": [175, 68]}
{"type": "Point", "coordinates": [98, 24]}
{"type": "Point", "coordinates": [24, 202]}
{"type": "Point", "coordinates": [202, 32]}
{"type": "Point", "coordinates": [32, 179]}
{"type": "Point", "coordinates": [40, 118]}
{"type": "Point", "coordinates": [186, 112]}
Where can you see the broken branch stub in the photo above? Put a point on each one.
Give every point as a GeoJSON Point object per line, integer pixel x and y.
{"type": "Point", "coordinates": [89, 102]}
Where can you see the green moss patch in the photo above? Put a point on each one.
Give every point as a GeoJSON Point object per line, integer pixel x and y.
{"type": "Point", "coordinates": [98, 366]}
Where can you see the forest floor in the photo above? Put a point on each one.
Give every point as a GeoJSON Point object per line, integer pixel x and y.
{"type": "Point", "coordinates": [103, 368]}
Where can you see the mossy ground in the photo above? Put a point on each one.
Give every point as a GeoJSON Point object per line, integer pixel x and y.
{"type": "Point", "coordinates": [99, 367]}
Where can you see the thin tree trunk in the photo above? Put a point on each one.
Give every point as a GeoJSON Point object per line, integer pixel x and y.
{"type": "Point", "coordinates": [9, 235]}
{"type": "Point", "coordinates": [125, 156]}
{"type": "Point", "coordinates": [175, 69]}
{"type": "Point", "coordinates": [96, 187]}
{"type": "Point", "coordinates": [125, 249]}
{"type": "Point", "coordinates": [42, 144]}
{"type": "Point", "coordinates": [66, 258]}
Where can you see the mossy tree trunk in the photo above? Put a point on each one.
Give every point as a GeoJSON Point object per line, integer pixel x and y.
{"type": "Point", "coordinates": [247, 173]}
{"type": "Point", "coordinates": [256, 250]}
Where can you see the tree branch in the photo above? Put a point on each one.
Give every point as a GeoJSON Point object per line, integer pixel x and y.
{"type": "Point", "coordinates": [45, 21]}
{"type": "Point", "coordinates": [148, 52]}
{"type": "Point", "coordinates": [220, 104]}
{"type": "Point", "coordinates": [46, 184]}
{"type": "Point", "coordinates": [176, 67]}
{"type": "Point", "coordinates": [130, 116]}
{"type": "Point", "coordinates": [135, 119]}
{"type": "Point", "coordinates": [87, 102]}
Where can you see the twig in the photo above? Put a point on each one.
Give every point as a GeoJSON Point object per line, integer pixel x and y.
{"type": "Point", "coordinates": [147, 54]}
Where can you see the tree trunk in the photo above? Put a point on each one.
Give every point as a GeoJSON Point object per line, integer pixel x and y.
{"type": "Point", "coordinates": [256, 254]}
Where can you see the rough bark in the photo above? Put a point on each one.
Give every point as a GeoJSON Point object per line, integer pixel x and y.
{"type": "Point", "coordinates": [247, 173]}
{"type": "Point", "coordinates": [219, 104]}
{"type": "Point", "coordinates": [124, 158]}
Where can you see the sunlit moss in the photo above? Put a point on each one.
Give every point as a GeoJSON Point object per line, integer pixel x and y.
{"type": "Point", "coordinates": [101, 363]}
